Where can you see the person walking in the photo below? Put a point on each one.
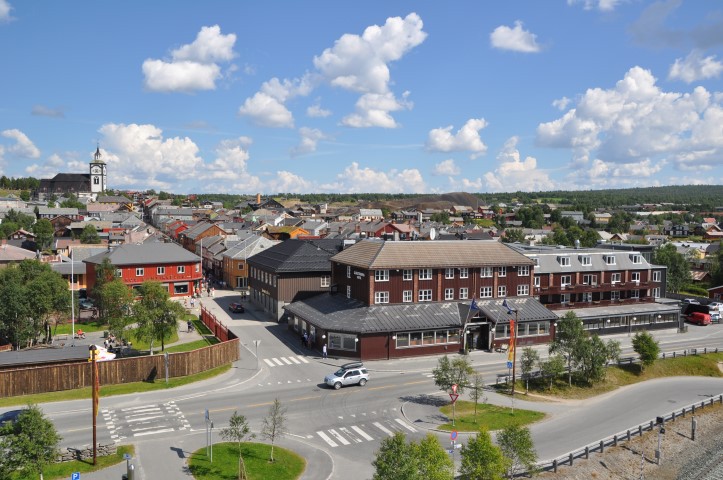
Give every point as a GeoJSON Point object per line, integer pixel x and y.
{"type": "Point", "coordinates": [323, 351]}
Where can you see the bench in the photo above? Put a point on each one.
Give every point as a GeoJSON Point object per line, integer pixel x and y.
{"type": "Point", "coordinates": [61, 336]}
{"type": "Point", "coordinates": [503, 348]}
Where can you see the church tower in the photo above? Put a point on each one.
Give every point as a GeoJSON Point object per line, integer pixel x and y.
{"type": "Point", "coordinates": [98, 175]}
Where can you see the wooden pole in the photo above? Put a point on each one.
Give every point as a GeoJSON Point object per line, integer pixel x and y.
{"type": "Point", "coordinates": [95, 401]}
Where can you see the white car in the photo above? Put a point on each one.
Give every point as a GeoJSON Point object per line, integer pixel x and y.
{"type": "Point", "coordinates": [349, 374]}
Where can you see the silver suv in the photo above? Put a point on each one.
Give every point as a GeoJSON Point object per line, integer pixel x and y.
{"type": "Point", "coordinates": [349, 374]}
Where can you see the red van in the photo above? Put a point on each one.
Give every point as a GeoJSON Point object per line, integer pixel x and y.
{"type": "Point", "coordinates": [699, 318]}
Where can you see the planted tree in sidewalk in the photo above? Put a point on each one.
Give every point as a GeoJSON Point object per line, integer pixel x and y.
{"type": "Point", "coordinates": [238, 431]}
{"type": "Point", "coordinates": [647, 348]}
{"type": "Point", "coordinates": [482, 459]}
{"type": "Point", "coordinates": [528, 360]}
{"type": "Point", "coordinates": [274, 424]}
{"type": "Point", "coordinates": [518, 448]}
{"type": "Point", "coordinates": [28, 444]}
{"type": "Point", "coordinates": [476, 391]}
{"type": "Point", "coordinates": [455, 372]}
{"type": "Point", "coordinates": [569, 333]}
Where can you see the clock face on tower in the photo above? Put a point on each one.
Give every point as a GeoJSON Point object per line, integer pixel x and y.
{"type": "Point", "coordinates": [95, 170]}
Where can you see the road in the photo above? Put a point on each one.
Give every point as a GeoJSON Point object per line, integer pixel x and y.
{"type": "Point", "coordinates": [338, 432]}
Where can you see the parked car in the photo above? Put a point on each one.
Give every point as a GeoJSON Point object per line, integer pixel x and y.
{"type": "Point", "coordinates": [236, 308]}
{"type": "Point", "coordinates": [86, 304]}
{"type": "Point", "coordinates": [690, 301]}
{"type": "Point", "coordinates": [349, 374]}
{"type": "Point", "coordinates": [715, 306]}
{"type": "Point", "coordinates": [699, 318]}
{"type": "Point", "coordinates": [10, 417]}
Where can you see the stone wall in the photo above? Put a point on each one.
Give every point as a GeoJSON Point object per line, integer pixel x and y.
{"type": "Point", "coordinates": [87, 453]}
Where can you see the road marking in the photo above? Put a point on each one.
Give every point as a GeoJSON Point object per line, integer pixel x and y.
{"type": "Point", "coordinates": [383, 428]}
{"type": "Point", "coordinates": [346, 432]}
{"type": "Point", "coordinates": [361, 432]}
{"type": "Point", "coordinates": [269, 362]}
{"type": "Point", "coordinates": [164, 430]}
{"type": "Point", "coordinates": [286, 361]}
{"type": "Point", "coordinates": [143, 419]}
{"type": "Point", "coordinates": [139, 409]}
{"type": "Point", "coordinates": [303, 359]}
{"type": "Point", "coordinates": [402, 423]}
{"type": "Point", "coordinates": [415, 383]}
{"type": "Point", "coordinates": [338, 436]}
{"type": "Point", "coordinates": [277, 361]}
{"type": "Point", "coordinates": [326, 438]}
{"type": "Point", "coordinates": [293, 359]}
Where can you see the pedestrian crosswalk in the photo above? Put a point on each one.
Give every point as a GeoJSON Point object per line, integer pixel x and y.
{"type": "Point", "coordinates": [363, 432]}
{"type": "Point", "coordinates": [283, 361]}
{"type": "Point", "coordinates": [144, 420]}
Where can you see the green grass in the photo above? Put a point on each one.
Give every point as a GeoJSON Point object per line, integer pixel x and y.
{"type": "Point", "coordinates": [187, 347]}
{"type": "Point", "coordinates": [63, 470]}
{"type": "Point", "coordinates": [86, 326]}
{"type": "Point", "coordinates": [287, 465]}
{"type": "Point", "coordinates": [111, 390]}
{"type": "Point", "coordinates": [492, 417]}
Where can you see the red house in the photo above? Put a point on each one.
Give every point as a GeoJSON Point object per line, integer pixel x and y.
{"type": "Point", "coordinates": [178, 269]}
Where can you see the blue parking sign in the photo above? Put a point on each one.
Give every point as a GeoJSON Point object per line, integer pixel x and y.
{"type": "Point", "coordinates": [75, 476]}
{"type": "Point", "coordinates": [509, 364]}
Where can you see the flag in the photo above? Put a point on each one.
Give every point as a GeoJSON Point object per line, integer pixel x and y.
{"type": "Point", "coordinates": [504, 304]}
{"type": "Point", "coordinates": [473, 305]}
{"type": "Point", "coordinates": [511, 352]}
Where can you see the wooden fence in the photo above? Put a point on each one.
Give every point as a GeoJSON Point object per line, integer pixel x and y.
{"type": "Point", "coordinates": [53, 378]}
{"type": "Point", "coordinates": [218, 329]}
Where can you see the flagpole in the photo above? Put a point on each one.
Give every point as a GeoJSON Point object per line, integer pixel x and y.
{"type": "Point", "coordinates": [94, 374]}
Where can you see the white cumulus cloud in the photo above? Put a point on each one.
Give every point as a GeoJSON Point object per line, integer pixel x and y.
{"type": "Point", "coordinates": [358, 180]}
{"type": "Point", "coordinates": [467, 139]}
{"type": "Point", "coordinates": [267, 107]}
{"type": "Point", "coordinates": [5, 8]}
{"type": "Point", "coordinates": [315, 111]}
{"type": "Point", "coordinates": [561, 103]}
{"type": "Point", "coordinates": [23, 146]}
{"type": "Point", "coordinates": [193, 66]}
{"type": "Point", "coordinates": [309, 138]}
{"type": "Point", "coordinates": [446, 167]}
{"type": "Point", "coordinates": [513, 174]}
{"type": "Point", "coordinates": [372, 110]}
{"type": "Point", "coordinates": [602, 5]}
{"type": "Point", "coordinates": [516, 39]}
{"type": "Point", "coordinates": [695, 67]}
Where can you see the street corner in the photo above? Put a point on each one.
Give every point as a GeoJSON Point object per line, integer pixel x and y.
{"type": "Point", "coordinates": [423, 410]}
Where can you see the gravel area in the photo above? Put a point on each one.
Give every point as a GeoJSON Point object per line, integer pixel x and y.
{"type": "Point", "coordinates": [683, 459]}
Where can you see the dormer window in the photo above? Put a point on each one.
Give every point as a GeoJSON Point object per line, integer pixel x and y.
{"type": "Point", "coordinates": [563, 261]}
{"type": "Point", "coordinates": [636, 259]}
{"type": "Point", "coordinates": [585, 260]}
{"type": "Point", "coordinates": [609, 259]}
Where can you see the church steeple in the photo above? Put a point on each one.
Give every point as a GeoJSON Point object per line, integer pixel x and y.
{"type": "Point", "coordinates": [98, 173]}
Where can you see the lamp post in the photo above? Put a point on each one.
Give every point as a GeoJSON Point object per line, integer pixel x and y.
{"type": "Point", "coordinates": [514, 356]}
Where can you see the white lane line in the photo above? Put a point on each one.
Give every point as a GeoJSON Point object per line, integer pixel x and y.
{"type": "Point", "coordinates": [361, 432]}
{"type": "Point", "coordinates": [338, 436]}
{"type": "Point", "coordinates": [277, 361]}
{"type": "Point", "coordinates": [141, 434]}
{"type": "Point", "coordinates": [286, 361]}
{"type": "Point", "coordinates": [143, 419]}
{"type": "Point", "coordinates": [402, 423]}
{"type": "Point", "coordinates": [346, 432]}
{"type": "Point", "coordinates": [143, 408]}
{"type": "Point", "coordinates": [383, 428]}
{"type": "Point", "coordinates": [303, 359]}
{"type": "Point", "coordinates": [326, 438]}
{"type": "Point", "coordinates": [269, 362]}
{"type": "Point", "coordinates": [293, 359]}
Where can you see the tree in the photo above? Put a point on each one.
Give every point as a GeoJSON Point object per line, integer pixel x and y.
{"type": "Point", "coordinates": [528, 360]}
{"type": "Point", "coordinates": [456, 372]}
{"type": "Point", "coordinates": [156, 315]}
{"type": "Point", "coordinates": [238, 431]}
{"type": "Point", "coordinates": [647, 347]}
{"type": "Point", "coordinates": [590, 358]}
{"type": "Point", "coordinates": [28, 444]}
{"type": "Point", "coordinates": [513, 235]}
{"type": "Point", "coordinates": [678, 270]}
{"type": "Point", "coordinates": [23, 220]}
{"type": "Point", "coordinates": [117, 299]}
{"type": "Point", "coordinates": [89, 235]}
{"type": "Point", "coordinates": [482, 459]}
{"type": "Point", "coordinates": [440, 217]}
{"type": "Point", "coordinates": [44, 233]}
{"type": "Point", "coordinates": [274, 424]}
{"type": "Point", "coordinates": [72, 202]}
{"type": "Point", "coordinates": [552, 367]}
{"type": "Point", "coordinates": [476, 391]}
{"type": "Point", "coordinates": [518, 448]}
{"type": "Point", "coordinates": [394, 460]}
{"type": "Point", "coordinates": [568, 335]}
{"type": "Point", "coordinates": [433, 462]}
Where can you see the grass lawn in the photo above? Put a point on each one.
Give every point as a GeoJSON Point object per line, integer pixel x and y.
{"type": "Point", "coordinates": [492, 417]}
{"type": "Point", "coordinates": [86, 326]}
{"type": "Point", "coordinates": [110, 390]}
{"type": "Point", "coordinates": [187, 347]}
{"type": "Point", "coordinates": [64, 470]}
{"type": "Point", "coordinates": [619, 376]}
{"type": "Point", "coordinates": [287, 465]}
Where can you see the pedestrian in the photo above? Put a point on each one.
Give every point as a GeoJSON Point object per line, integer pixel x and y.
{"type": "Point", "coordinates": [213, 292]}
{"type": "Point", "coordinates": [323, 351]}
{"type": "Point", "coordinates": [189, 325]}
{"type": "Point", "coordinates": [208, 291]}
{"type": "Point", "coordinates": [303, 340]}
{"type": "Point", "coordinates": [193, 302]}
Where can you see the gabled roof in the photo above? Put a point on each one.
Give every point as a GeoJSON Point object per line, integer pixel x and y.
{"type": "Point", "coordinates": [249, 247]}
{"type": "Point", "coordinates": [377, 254]}
{"type": "Point", "coordinates": [298, 256]}
{"type": "Point", "coordinates": [146, 253]}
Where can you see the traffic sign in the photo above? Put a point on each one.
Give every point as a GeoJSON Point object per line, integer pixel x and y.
{"type": "Point", "coordinates": [75, 476]}
{"type": "Point", "coordinates": [453, 435]}
{"type": "Point", "coordinates": [454, 397]}
{"type": "Point", "coordinates": [454, 388]}
{"type": "Point", "coordinates": [509, 364]}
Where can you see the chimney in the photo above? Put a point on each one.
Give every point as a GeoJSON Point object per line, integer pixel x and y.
{"type": "Point", "coordinates": [258, 198]}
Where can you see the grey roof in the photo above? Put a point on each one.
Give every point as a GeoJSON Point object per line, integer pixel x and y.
{"type": "Point", "coordinates": [378, 254]}
{"type": "Point", "coordinates": [145, 253]}
{"type": "Point", "coordinates": [249, 246]}
{"type": "Point", "coordinates": [57, 211]}
{"type": "Point", "coordinates": [298, 256]}
{"type": "Point", "coordinates": [68, 268]}
{"type": "Point", "coordinates": [528, 310]}
{"type": "Point", "coordinates": [618, 310]}
{"type": "Point", "coordinates": [547, 259]}
{"type": "Point", "coordinates": [45, 355]}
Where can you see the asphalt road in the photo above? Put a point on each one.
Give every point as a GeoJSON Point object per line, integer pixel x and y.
{"type": "Point", "coordinates": [338, 432]}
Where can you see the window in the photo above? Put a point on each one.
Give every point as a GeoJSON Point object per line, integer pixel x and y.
{"type": "Point", "coordinates": [615, 278]}
{"type": "Point", "coordinates": [425, 295]}
{"type": "Point", "coordinates": [523, 290]}
{"type": "Point", "coordinates": [381, 275]}
{"type": "Point", "coordinates": [425, 273]}
{"type": "Point", "coordinates": [348, 271]}
{"type": "Point", "coordinates": [585, 260]}
{"type": "Point", "coordinates": [523, 271]}
{"type": "Point", "coordinates": [501, 271]}
{"type": "Point", "coordinates": [381, 297]}
{"type": "Point", "coordinates": [407, 296]}
{"type": "Point", "coordinates": [407, 275]}
{"type": "Point", "coordinates": [587, 297]}
{"type": "Point", "coordinates": [240, 266]}
{"type": "Point", "coordinates": [118, 273]}
{"type": "Point", "coordinates": [449, 293]}
{"type": "Point", "coordinates": [464, 272]}
{"type": "Point", "coordinates": [181, 269]}
{"type": "Point", "coordinates": [563, 261]}
{"type": "Point", "coordinates": [656, 293]}
{"type": "Point", "coordinates": [635, 277]}
{"type": "Point", "coordinates": [565, 298]}
{"type": "Point", "coordinates": [537, 281]}
{"type": "Point", "coordinates": [485, 272]}
{"type": "Point", "coordinates": [636, 259]}
{"type": "Point", "coordinates": [161, 271]}
{"type": "Point", "coordinates": [348, 291]}
{"type": "Point", "coordinates": [198, 268]}
{"type": "Point", "coordinates": [180, 288]}
{"type": "Point", "coordinates": [565, 280]}
{"type": "Point", "coordinates": [615, 295]}
{"type": "Point", "coordinates": [432, 337]}
{"type": "Point", "coordinates": [589, 279]}
{"type": "Point", "coordinates": [609, 259]}
{"type": "Point", "coordinates": [341, 341]}
{"type": "Point", "coordinates": [449, 273]}
{"type": "Point", "coordinates": [325, 281]}
{"type": "Point", "coordinates": [502, 291]}
{"type": "Point", "coordinates": [463, 293]}
{"type": "Point", "coordinates": [485, 292]}
{"type": "Point", "coordinates": [635, 294]}
{"type": "Point", "coordinates": [139, 272]}
{"type": "Point", "coordinates": [656, 276]}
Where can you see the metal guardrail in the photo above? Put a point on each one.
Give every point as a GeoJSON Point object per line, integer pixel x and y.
{"type": "Point", "coordinates": [624, 436]}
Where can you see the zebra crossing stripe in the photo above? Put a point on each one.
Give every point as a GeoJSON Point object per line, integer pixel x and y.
{"type": "Point", "coordinates": [402, 423]}
{"type": "Point", "coordinates": [269, 362]}
{"type": "Point", "coordinates": [346, 432]}
{"type": "Point", "coordinates": [361, 432]}
{"type": "Point", "coordinates": [326, 438]}
{"type": "Point", "coordinates": [278, 362]}
{"type": "Point", "coordinates": [383, 428]}
{"type": "Point", "coordinates": [293, 359]}
{"type": "Point", "coordinates": [338, 436]}
{"type": "Point", "coordinates": [303, 359]}
{"type": "Point", "coordinates": [286, 361]}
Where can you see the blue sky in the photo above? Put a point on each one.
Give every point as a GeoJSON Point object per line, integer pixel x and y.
{"type": "Point", "coordinates": [372, 96]}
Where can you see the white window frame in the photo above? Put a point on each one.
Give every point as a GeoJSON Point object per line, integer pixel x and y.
{"type": "Point", "coordinates": [635, 294]}
{"type": "Point", "coordinates": [348, 271]}
{"type": "Point", "coordinates": [585, 260]}
{"type": "Point", "coordinates": [536, 281]}
{"type": "Point", "coordinates": [425, 273]}
{"type": "Point", "coordinates": [501, 290]}
{"type": "Point", "coordinates": [140, 271]}
{"type": "Point", "coordinates": [587, 297]}
{"type": "Point", "coordinates": [656, 292]}
{"type": "Point", "coordinates": [589, 279]}
{"type": "Point", "coordinates": [407, 275]}
{"type": "Point", "coordinates": [464, 272]}
{"type": "Point", "coordinates": [381, 275]}
{"type": "Point", "coordinates": [609, 259]}
{"type": "Point", "coordinates": [501, 271]}
{"type": "Point", "coordinates": [565, 280]}
{"type": "Point", "coordinates": [485, 272]}
{"type": "Point", "coordinates": [615, 277]}
{"type": "Point", "coordinates": [523, 271]}
{"type": "Point", "coordinates": [523, 290]}
{"type": "Point", "coordinates": [118, 273]}
{"type": "Point", "coordinates": [636, 259]}
{"type": "Point", "coordinates": [424, 295]}
{"type": "Point", "coordinates": [325, 281]}
{"type": "Point", "coordinates": [342, 341]}
{"type": "Point", "coordinates": [565, 298]}
{"type": "Point", "coordinates": [407, 296]}
{"type": "Point", "coordinates": [181, 269]}
{"type": "Point", "coordinates": [348, 291]}
{"type": "Point", "coordinates": [657, 275]}
{"type": "Point", "coordinates": [381, 297]}
{"type": "Point", "coordinates": [160, 270]}
{"type": "Point", "coordinates": [463, 293]}
{"type": "Point", "coordinates": [449, 293]}
{"type": "Point", "coordinates": [449, 273]}
{"type": "Point", "coordinates": [615, 295]}
{"type": "Point", "coordinates": [563, 261]}
{"type": "Point", "coordinates": [635, 277]}
{"type": "Point", "coordinates": [485, 292]}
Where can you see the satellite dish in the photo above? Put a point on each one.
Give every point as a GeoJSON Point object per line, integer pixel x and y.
{"type": "Point", "coordinates": [433, 233]}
